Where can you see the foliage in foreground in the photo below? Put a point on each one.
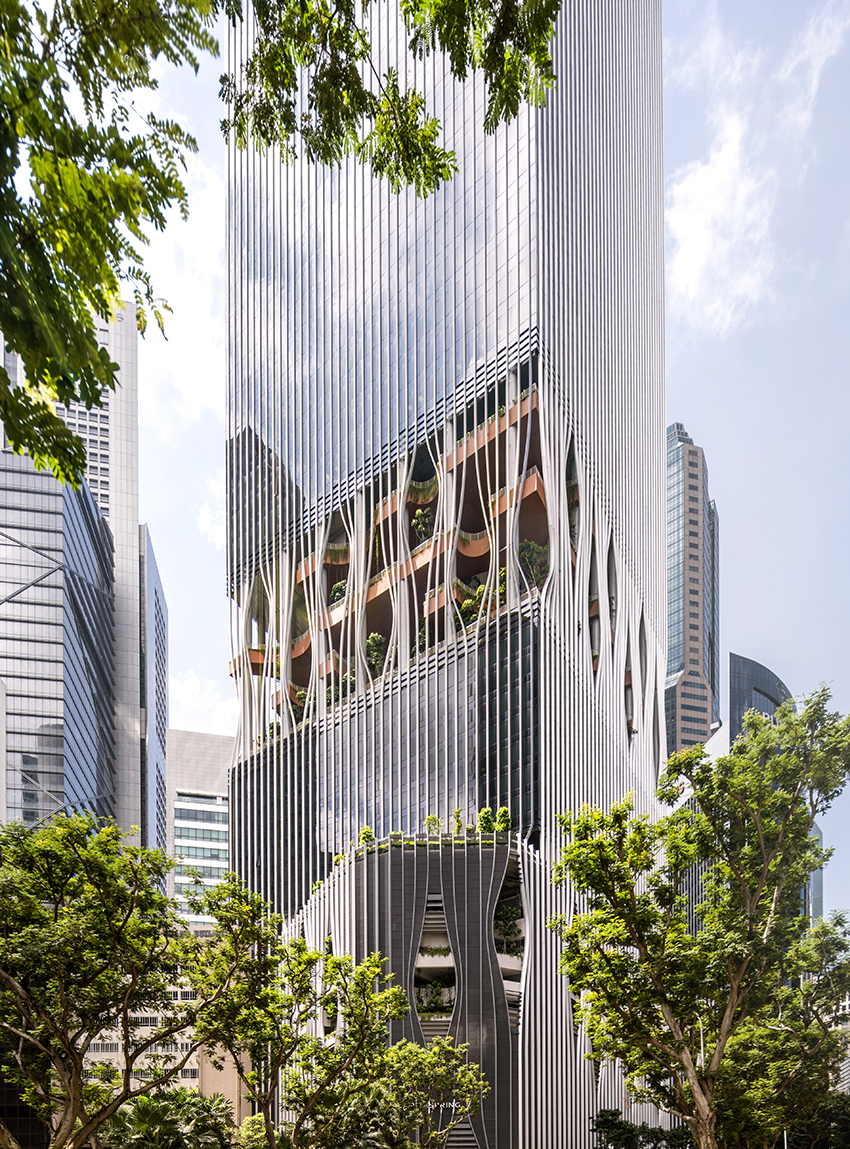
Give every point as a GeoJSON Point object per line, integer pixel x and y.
{"type": "Point", "coordinates": [90, 949]}
{"type": "Point", "coordinates": [352, 1087]}
{"type": "Point", "coordinates": [172, 1119]}
{"type": "Point", "coordinates": [92, 952]}
{"type": "Point", "coordinates": [613, 1131]}
{"type": "Point", "coordinates": [827, 1128]}
{"type": "Point", "coordinates": [731, 1025]}
{"type": "Point", "coordinates": [82, 176]}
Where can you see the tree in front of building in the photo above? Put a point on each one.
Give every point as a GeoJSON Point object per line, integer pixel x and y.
{"type": "Point", "coordinates": [613, 1131]}
{"type": "Point", "coordinates": [725, 1014]}
{"type": "Point", "coordinates": [827, 1128]}
{"type": "Point", "coordinates": [177, 1118]}
{"type": "Point", "coordinates": [91, 951]}
{"type": "Point", "coordinates": [83, 176]}
{"type": "Point", "coordinates": [308, 1034]}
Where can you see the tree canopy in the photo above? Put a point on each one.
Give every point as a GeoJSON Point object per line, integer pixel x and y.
{"type": "Point", "coordinates": [695, 963]}
{"type": "Point", "coordinates": [84, 177]}
{"type": "Point", "coordinates": [308, 1034]}
{"type": "Point", "coordinates": [95, 958]}
{"type": "Point", "coordinates": [91, 950]}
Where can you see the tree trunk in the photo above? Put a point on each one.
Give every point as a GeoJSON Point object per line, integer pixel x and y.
{"type": "Point", "coordinates": [703, 1132]}
{"type": "Point", "coordinates": [270, 1131]}
{"type": "Point", "coordinates": [7, 1138]}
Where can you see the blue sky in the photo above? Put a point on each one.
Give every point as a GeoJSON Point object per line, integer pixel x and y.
{"type": "Point", "coordinates": [757, 152]}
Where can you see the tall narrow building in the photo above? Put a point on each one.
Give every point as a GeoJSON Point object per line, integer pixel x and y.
{"type": "Point", "coordinates": [153, 699]}
{"type": "Point", "coordinates": [692, 688]}
{"type": "Point", "coordinates": [446, 544]}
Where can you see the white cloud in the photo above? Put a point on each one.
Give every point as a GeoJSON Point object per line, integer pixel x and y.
{"type": "Point", "coordinates": [821, 39]}
{"type": "Point", "coordinates": [722, 258]}
{"type": "Point", "coordinates": [211, 517]}
{"type": "Point", "coordinates": [197, 703]}
{"type": "Point", "coordinates": [718, 222]}
{"type": "Point", "coordinates": [709, 57]}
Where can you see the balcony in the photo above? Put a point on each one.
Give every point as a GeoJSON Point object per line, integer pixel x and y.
{"type": "Point", "coordinates": [254, 661]}
{"type": "Point", "coordinates": [489, 432]}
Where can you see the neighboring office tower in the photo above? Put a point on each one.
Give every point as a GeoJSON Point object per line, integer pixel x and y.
{"type": "Point", "coordinates": [752, 687]}
{"type": "Point", "coordinates": [692, 688]}
{"type": "Point", "coordinates": [57, 646]}
{"type": "Point", "coordinates": [446, 542]}
{"type": "Point", "coordinates": [198, 819]}
{"type": "Point", "coordinates": [110, 435]}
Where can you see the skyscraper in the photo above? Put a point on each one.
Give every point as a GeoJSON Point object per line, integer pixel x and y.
{"type": "Point", "coordinates": [446, 544]}
{"type": "Point", "coordinates": [153, 700]}
{"type": "Point", "coordinates": [57, 646]}
{"type": "Point", "coordinates": [124, 599]}
{"type": "Point", "coordinates": [692, 688]}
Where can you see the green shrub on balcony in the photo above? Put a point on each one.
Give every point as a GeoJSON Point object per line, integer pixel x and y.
{"type": "Point", "coordinates": [299, 704]}
{"type": "Point", "coordinates": [486, 821]}
{"type": "Point", "coordinates": [423, 523]}
{"type": "Point", "coordinates": [534, 561]}
{"type": "Point", "coordinates": [503, 821]}
{"type": "Point", "coordinates": [376, 652]}
{"type": "Point", "coordinates": [337, 591]}
{"type": "Point", "coordinates": [343, 686]}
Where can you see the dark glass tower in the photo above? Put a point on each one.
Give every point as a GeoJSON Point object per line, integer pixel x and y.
{"type": "Point", "coordinates": [57, 644]}
{"type": "Point", "coordinates": [446, 542]}
{"type": "Point", "coordinates": [692, 688]}
{"type": "Point", "coordinates": [752, 687]}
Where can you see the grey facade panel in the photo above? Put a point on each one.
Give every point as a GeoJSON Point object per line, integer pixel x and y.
{"type": "Point", "coordinates": [396, 886]}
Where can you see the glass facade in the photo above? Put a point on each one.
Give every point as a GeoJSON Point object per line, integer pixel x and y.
{"type": "Point", "coordinates": [49, 652]}
{"type": "Point", "coordinates": [752, 687]}
{"type": "Point", "coordinates": [57, 640]}
{"type": "Point", "coordinates": [446, 504]}
{"type": "Point", "coordinates": [153, 677]}
{"type": "Point", "coordinates": [111, 438]}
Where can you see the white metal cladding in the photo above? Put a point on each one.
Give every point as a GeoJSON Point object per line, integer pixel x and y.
{"type": "Point", "coordinates": [493, 356]}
